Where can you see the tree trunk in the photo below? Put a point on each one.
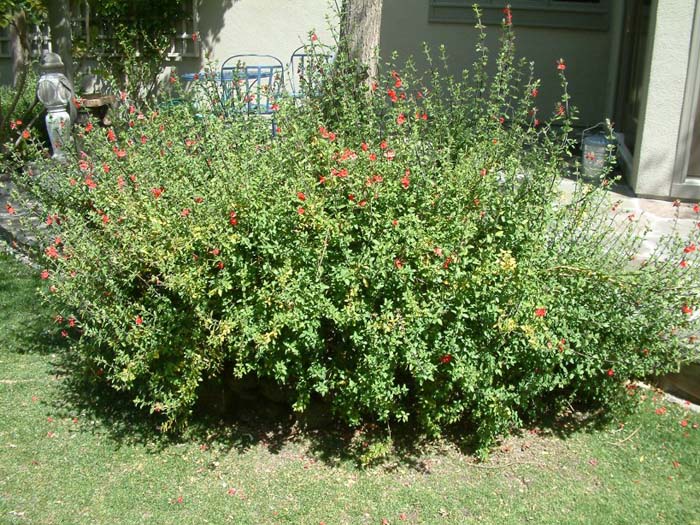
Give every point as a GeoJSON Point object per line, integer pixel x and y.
{"type": "Point", "coordinates": [20, 47]}
{"type": "Point", "coordinates": [61, 37]}
{"type": "Point", "coordinates": [360, 25]}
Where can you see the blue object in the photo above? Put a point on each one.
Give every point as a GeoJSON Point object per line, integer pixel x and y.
{"type": "Point", "coordinates": [306, 70]}
{"type": "Point", "coordinates": [252, 83]}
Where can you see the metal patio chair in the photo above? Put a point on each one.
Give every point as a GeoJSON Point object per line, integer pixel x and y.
{"type": "Point", "coordinates": [306, 70]}
{"type": "Point", "coordinates": [251, 83]}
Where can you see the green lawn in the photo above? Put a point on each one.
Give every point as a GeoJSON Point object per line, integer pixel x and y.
{"type": "Point", "coordinates": [72, 455]}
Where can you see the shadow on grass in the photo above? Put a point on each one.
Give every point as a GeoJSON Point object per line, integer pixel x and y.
{"type": "Point", "coordinates": [242, 423]}
{"type": "Point", "coordinates": [23, 323]}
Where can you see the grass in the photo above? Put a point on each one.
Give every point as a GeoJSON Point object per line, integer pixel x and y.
{"type": "Point", "coordinates": [74, 455]}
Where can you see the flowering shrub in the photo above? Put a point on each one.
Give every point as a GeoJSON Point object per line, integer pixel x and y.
{"type": "Point", "coordinates": [399, 249]}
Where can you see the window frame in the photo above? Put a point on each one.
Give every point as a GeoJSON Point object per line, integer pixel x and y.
{"type": "Point", "coordinates": [555, 14]}
{"type": "Point", "coordinates": [5, 42]}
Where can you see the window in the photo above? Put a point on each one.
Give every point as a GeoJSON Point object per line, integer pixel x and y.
{"type": "Point", "coordinates": [568, 14]}
{"type": "Point", "coordinates": [185, 42]}
{"type": "Point", "coordinates": [91, 29]}
{"type": "Point", "coordinates": [5, 44]}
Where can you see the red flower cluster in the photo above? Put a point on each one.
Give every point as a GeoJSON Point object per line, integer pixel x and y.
{"type": "Point", "coordinates": [405, 181]}
{"type": "Point", "coordinates": [232, 218]}
{"type": "Point", "coordinates": [509, 16]}
{"type": "Point", "coordinates": [540, 312]}
{"type": "Point", "coordinates": [326, 134]}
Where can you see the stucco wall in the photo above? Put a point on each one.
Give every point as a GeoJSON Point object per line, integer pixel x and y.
{"type": "Point", "coordinates": [273, 27]}
{"type": "Point", "coordinates": [587, 54]}
{"type": "Point", "coordinates": [662, 102]}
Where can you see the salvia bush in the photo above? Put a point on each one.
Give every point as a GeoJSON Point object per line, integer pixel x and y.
{"type": "Point", "coordinates": [399, 249]}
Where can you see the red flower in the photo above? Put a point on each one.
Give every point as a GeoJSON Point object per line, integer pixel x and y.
{"type": "Point", "coordinates": [446, 359]}
{"type": "Point", "coordinates": [540, 312]}
{"type": "Point", "coordinates": [120, 153]}
{"type": "Point", "coordinates": [105, 219]}
{"type": "Point", "coordinates": [10, 209]}
{"type": "Point", "coordinates": [351, 197]}
{"type": "Point", "coordinates": [198, 200]}
{"type": "Point", "coordinates": [71, 322]}
{"type": "Point", "coordinates": [561, 66]}
{"type": "Point", "coordinates": [509, 16]}
{"type": "Point", "coordinates": [696, 208]}
{"type": "Point", "coordinates": [111, 136]}
{"type": "Point", "coordinates": [157, 192]}
{"type": "Point", "coordinates": [687, 310]}
{"type": "Point", "coordinates": [561, 110]}
{"type": "Point", "coordinates": [398, 263]}
{"type": "Point", "coordinates": [684, 264]}
{"type": "Point", "coordinates": [301, 210]}
{"type": "Point", "coordinates": [45, 274]}
{"type": "Point", "coordinates": [374, 86]}
{"type": "Point", "coordinates": [26, 134]}
{"type": "Point", "coordinates": [390, 154]}
{"type": "Point", "coordinates": [660, 411]}
{"type": "Point", "coordinates": [535, 92]}
{"type": "Point", "coordinates": [684, 423]}
{"type": "Point", "coordinates": [395, 223]}
{"type": "Point", "coordinates": [138, 320]}
{"type": "Point", "coordinates": [401, 119]}
{"type": "Point", "coordinates": [322, 179]}
{"type": "Point", "coordinates": [185, 212]}
{"type": "Point", "coordinates": [437, 251]}
{"type": "Point", "coordinates": [690, 248]}
{"type": "Point", "coordinates": [372, 157]}
{"type": "Point", "coordinates": [447, 263]}
{"type": "Point", "coordinates": [364, 146]}
{"type": "Point", "coordinates": [362, 203]}
{"type": "Point", "coordinates": [90, 183]}
{"type": "Point", "coordinates": [383, 144]}
{"type": "Point", "coordinates": [314, 38]}
{"type": "Point", "coordinates": [232, 220]}
{"type": "Point", "coordinates": [144, 139]}
{"type": "Point", "coordinates": [611, 372]}
{"type": "Point", "coordinates": [405, 181]}
{"type": "Point", "coordinates": [220, 265]}
{"type": "Point", "coordinates": [51, 252]}
{"type": "Point", "coordinates": [392, 95]}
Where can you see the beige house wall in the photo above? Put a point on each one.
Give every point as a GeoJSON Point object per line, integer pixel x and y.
{"type": "Point", "coordinates": [271, 27]}
{"type": "Point", "coordinates": [654, 166]}
{"type": "Point", "coordinates": [588, 55]}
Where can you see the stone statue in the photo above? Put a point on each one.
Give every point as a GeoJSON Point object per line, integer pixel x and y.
{"type": "Point", "coordinates": [56, 92]}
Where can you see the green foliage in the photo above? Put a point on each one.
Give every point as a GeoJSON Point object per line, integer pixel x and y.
{"type": "Point", "coordinates": [18, 111]}
{"type": "Point", "coordinates": [400, 250]}
{"type": "Point", "coordinates": [138, 37]}
{"type": "Point", "coordinates": [35, 10]}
